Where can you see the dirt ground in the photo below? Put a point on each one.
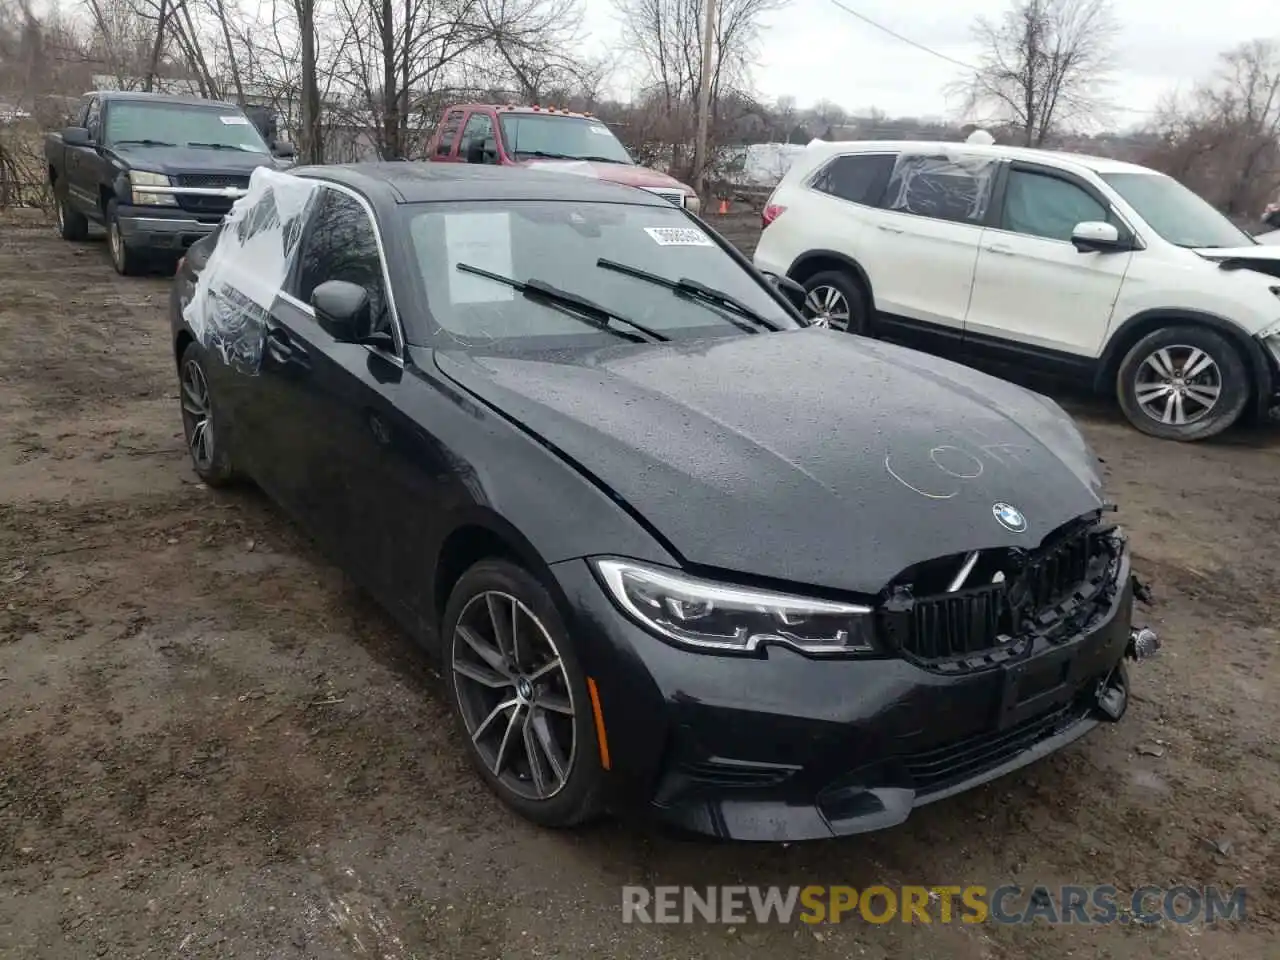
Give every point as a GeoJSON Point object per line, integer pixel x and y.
{"type": "Point", "coordinates": [212, 746]}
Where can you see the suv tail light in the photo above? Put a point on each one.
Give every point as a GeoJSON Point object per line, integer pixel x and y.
{"type": "Point", "coordinates": [771, 213]}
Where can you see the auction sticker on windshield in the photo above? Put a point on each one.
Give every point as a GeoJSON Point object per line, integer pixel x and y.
{"type": "Point", "coordinates": [481, 240]}
{"type": "Point", "coordinates": [679, 237]}
{"type": "Point", "coordinates": [235, 121]}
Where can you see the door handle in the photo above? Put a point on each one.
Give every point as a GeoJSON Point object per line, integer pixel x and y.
{"type": "Point", "coordinates": [282, 349]}
{"type": "Point", "coordinates": [888, 229]}
{"type": "Point", "coordinates": [1001, 250]}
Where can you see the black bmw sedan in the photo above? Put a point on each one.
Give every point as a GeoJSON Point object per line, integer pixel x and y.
{"type": "Point", "coordinates": [675, 547]}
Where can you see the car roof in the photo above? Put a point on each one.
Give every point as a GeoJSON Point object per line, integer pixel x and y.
{"type": "Point", "coordinates": [416, 181]}
{"type": "Point", "coordinates": [524, 108]}
{"type": "Point", "coordinates": [1056, 158]}
{"type": "Point", "coordinates": [160, 98]}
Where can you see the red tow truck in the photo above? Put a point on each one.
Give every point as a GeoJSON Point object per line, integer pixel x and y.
{"type": "Point", "coordinates": [558, 139]}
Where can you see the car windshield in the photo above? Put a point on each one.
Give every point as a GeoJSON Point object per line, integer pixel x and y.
{"type": "Point", "coordinates": [182, 125]}
{"type": "Point", "coordinates": [1175, 213]}
{"type": "Point", "coordinates": [529, 135]}
{"type": "Point", "coordinates": [561, 244]}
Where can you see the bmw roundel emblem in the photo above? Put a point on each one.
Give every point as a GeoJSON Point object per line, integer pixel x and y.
{"type": "Point", "coordinates": [1009, 517]}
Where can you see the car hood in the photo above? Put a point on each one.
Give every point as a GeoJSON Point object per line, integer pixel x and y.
{"type": "Point", "coordinates": [806, 456]}
{"type": "Point", "coordinates": [197, 160]}
{"type": "Point", "coordinates": [1263, 257]}
{"type": "Point", "coordinates": [626, 174]}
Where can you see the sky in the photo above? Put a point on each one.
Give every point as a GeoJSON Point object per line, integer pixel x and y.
{"type": "Point", "coordinates": [812, 50]}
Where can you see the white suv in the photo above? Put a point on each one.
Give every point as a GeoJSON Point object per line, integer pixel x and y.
{"type": "Point", "coordinates": [1096, 270]}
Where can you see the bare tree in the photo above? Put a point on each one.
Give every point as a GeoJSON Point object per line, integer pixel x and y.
{"type": "Point", "coordinates": [1224, 140]}
{"type": "Point", "coordinates": [1044, 64]}
{"type": "Point", "coordinates": [666, 37]}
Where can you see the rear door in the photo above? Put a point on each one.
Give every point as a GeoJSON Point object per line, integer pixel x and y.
{"type": "Point", "coordinates": [927, 236]}
{"type": "Point", "coordinates": [1035, 297]}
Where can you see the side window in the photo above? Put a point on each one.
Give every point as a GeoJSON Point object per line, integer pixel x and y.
{"type": "Point", "coordinates": [448, 132]}
{"type": "Point", "coordinates": [1045, 206]}
{"type": "Point", "coordinates": [945, 188]}
{"type": "Point", "coordinates": [339, 244]}
{"type": "Point", "coordinates": [859, 178]}
{"type": "Point", "coordinates": [479, 128]}
{"type": "Point", "coordinates": [93, 119]}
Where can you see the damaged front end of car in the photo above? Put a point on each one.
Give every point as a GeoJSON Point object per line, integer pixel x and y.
{"type": "Point", "coordinates": [996, 608]}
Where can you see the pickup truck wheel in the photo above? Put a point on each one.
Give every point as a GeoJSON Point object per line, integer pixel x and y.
{"type": "Point", "coordinates": [127, 262]}
{"type": "Point", "coordinates": [71, 225]}
{"type": "Point", "coordinates": [1183, 383]}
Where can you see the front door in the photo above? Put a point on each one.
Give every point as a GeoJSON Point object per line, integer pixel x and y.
{"type": "Point", "coordinates": [1033, 292]}
{"type": "Point", "coordinates": [325, 409]}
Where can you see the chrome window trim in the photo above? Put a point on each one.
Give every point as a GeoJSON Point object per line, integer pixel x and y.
{"type": "Point", "coordinates": [397, 328]}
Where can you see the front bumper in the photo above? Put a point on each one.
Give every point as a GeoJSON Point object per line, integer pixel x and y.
{"type": "Point", "coordinates": [163, 230]}
{"type": "Point", "coordinates": [785, 747]}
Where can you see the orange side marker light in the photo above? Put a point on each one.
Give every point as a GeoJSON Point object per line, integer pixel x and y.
{"type": "Point", "coordinates": [599, 718]}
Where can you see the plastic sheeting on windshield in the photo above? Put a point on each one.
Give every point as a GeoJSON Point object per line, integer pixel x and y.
{"type": "Point", "coordinates": [942, 187]}
{"type": "Point", "coordinates": [248, 267]}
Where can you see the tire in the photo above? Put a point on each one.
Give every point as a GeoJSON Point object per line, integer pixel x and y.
{"type": "Point", "coordinates": [1153, 388]}
{"type": "Point", "coordinates": [72, 225]}
{"type": "Point", "coordinates": [827, 290]}
{"type": "Point", "coordinates": [128, 263]}
{"type": "Point", "coordinates": [576, 797]}
{"type": "Point", "coordinates": [209, 446]}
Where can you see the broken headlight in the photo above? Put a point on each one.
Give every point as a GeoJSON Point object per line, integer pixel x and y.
{"type": "Point", "coordinates": [705, 615]}
{"type": "Point", "coordinates": [143, 198]}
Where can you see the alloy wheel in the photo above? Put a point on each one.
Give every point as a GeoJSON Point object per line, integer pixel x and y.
{"type": "Point", "coordinates": [1178, 385]}
{"type": "Point", "coordinates": [115, 243]}
{"type": "Point", "coordinates": [514, 695]}
{"type": "Point", "coordinates": [197, 414]}
{"type": "Point", "coordinates": [827, 307]}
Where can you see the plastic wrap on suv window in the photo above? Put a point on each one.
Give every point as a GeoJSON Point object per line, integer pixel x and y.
{"type": "Point", "coordinates": [247, 269]}
{"type": "Point", "coordinates": [947, 188]}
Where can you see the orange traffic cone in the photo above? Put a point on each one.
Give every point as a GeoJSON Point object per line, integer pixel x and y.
{"type": "Point", "coordinates": [724, 207]}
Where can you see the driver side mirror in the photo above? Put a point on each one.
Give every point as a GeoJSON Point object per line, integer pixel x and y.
{"type": "Point", "coordinates": [794, 293]}
{"type": "Point", "coordinates": [342, 310]}
{"type": "Point", "coordinates": [75, 137]}
{"type": "Point", "coordinates": [480, 151]}
{"type": "Point", "coordinates": [1098, 237]}
{"type": "Point", "coordinates": [283, 149]}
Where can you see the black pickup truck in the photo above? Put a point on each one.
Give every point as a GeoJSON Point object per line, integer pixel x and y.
{"type": "Point", "coordinates": [159, 172]}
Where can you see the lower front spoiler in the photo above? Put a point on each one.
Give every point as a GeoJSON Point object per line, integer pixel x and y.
{"type": "Point", "coordinates": [877, 797]}
{"type": "Point", "coordinates": [861, 807]}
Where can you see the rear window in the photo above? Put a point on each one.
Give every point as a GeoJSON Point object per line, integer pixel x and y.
{"type": "Point", "coordinates": [944, 188]}
{"type": "Point", "coordinates": [858, 178]}
{"type": "Point", "coordinates": [560, 243]}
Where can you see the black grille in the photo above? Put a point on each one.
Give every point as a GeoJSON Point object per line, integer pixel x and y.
{"type": "Point", "coordinates": [213, 180]}
{"type": "Point", "coordinates": [942, 767]}
{"type": "Point", "coordinates": [216, 206]}
{"type": "Point", "coordinates": [931, 625]}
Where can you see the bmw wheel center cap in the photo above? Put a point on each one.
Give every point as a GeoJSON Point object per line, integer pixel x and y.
{"type": "Point", "coordinates": [1009, 517]}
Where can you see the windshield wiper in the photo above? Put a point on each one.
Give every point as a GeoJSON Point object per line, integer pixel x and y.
{"type": "Point", "coordinates": [144, 143]}
{"type": "Point", "coordinates": [221, 146]}
{"type": "Point", "coordinates": [587, 310]}
{"type": "Point", "coordinates": [595, 159]}
{"type": "Point", "coordinates": [544, 154]}
{"type": "Point", "coordinates": [694, 290]}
